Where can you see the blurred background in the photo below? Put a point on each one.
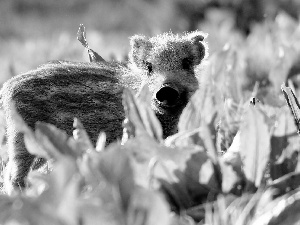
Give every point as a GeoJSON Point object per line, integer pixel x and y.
{"type": "Point", "coordinates": [34, 31]}
{"type": "Point", "coordinates": [254, 45]}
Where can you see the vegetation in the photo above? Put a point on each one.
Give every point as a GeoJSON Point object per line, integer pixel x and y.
{"type": "Point", "coordinates": [235, 159]}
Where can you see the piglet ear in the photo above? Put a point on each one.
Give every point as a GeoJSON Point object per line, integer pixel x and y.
{"type": "Point", "coordinates": [139, 49]}
{"type": "Point", "coordinates": [199, 46]}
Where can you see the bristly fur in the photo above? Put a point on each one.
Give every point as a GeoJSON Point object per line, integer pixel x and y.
{"type": "Point", "coordinates": [168, 41]}
{"type": "Point", "coordinates": [61, 90]}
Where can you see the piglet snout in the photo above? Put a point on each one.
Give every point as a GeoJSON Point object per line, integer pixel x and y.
{"type": "Point", "coordinates": [168, 96]}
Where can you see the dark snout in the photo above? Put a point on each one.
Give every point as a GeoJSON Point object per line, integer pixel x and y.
{"type": "Point", "coordinates": [168, 96]}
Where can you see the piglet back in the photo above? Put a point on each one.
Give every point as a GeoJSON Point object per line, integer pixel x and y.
{"type": "Point", "coordinates": [58, 91]}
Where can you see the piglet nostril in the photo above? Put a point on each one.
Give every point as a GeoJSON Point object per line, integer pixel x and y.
{"type": "Point", "coordinates": [167, 96]}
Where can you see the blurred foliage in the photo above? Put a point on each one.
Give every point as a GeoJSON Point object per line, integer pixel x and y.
{"type": "Point", "coordinates": [140, 180]}
{"type": "Point", "coordinates": [245, 12]}
{"type": "Point", "coordinates": [29, 30]}
{"type": "Point", "coordinates": [235, 159]}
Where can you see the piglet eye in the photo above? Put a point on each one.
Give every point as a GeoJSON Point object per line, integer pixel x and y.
{"type": "Point", "coordinates": [149, 67]}
{"type": "Point", "coordinates": [186, 63]}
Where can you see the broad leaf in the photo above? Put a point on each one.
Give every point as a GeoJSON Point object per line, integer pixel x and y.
{"type": "Point", "coordinates": [187, 175]}
{"type": "Point", "coordinates": [201, 108]}
{"type": "Point", "coordinates": [68, 209]}
{"type": "Point", "coordinates": [231, 178]}
{"type": "Point", "coordinates": [285, 143]}
{"type": "Point", "coordinates": [147, 208]}
{"type": "Point", "coordinates": [253, 145]}
{"type": "Point", "coordinates": [141, 117]}
{"type": "Point", "coordinates": [63, 173]}
{"type": "Point", "coordinates": [56, 141]}
{"type": "Point", "coordinates": [116, 167]}
{"type": "Point", "coordinates": [196, 124]}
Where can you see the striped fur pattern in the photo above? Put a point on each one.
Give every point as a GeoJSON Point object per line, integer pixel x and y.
{"type": "Point", "coordinates": [56, 93]}
{"type": "Point", "coordinates": [61, 90]}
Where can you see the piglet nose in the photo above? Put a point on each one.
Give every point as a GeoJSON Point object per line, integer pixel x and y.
{"type": "Point", "coordinates": [167, 96]}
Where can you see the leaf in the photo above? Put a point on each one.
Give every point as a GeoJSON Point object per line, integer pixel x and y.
{"type": "Point", "coordinates": [293, 104]}
{"type": "Point", "coordinates": [94, 56]}
{"type": "Point", "coordinates": [247, 210]}
{"type": "Point", "coordinates": [279, 72]}
{"type": "Point", "coordinates": [57, 204]}
{"type": "Point", "coordinates": [266, 197]}
{"type": "Point", "coordinates": [200, 137]}
{"type": "Point", "coordinates": [207, 176]}
{"type": "Point", "coordinates": [196, 122]}
{"type": "Point", "coordinates": [231, 179]}
{"type": "Point", "coordinates": [170, 175]}
{"type": "Point", "coordinates": [176, 192]}
{"type": "Point", "coordinates": [81, 136]}
{"type": "Point", "coordinates": [286, 183]}
{"type": "Point", "coordinates": [209, 144]}
{"type": "Point", "coordinates": [100, 145]}
{"type": "Point", "coordinates": [55, 141]}
{"type": "Point", "coordinates": [230, 119]}
{"type": "Point", "coordinates": [191, 116]}
{"type": "Point", "coordinates": [286, 22]}
{"type": "Point", "coordinates": [99, 200]}
{"type": "Point", "coordinates": [33, 146]}
{"type": "Point", "coordinates": [182, 220]}
{"type": "Point", "coordinates": [141, 117]}
{"type": "Point", "coordinates": [199, 109]}
{"type": "Point", "coordinates": [283, 210]}
{"type": "Point", "coordinates": [183, 139]}
{"type": "Point", "coordinates": [38, 183]}
{"type": "Point", "coordinates": [226, 73]}
{"type": "Point", "coordinates": [81, 37]}
{"type": "Point", "coordinates": [147, 208]}
{"type": "Point", "coordinates": [63, 173]}
{"type": "Point", "coordinates": [142, 135]}
{"type": "Point", "coordinates": [233, 155]}
{"type": "Point", "coordinates": [116, 168]}
{"type": "Point", "coordinates": [221, 210]}
{"type": "Point", "coordinates": [187, 175]}
{"type": "Point", "coordinates": [22, 210]}
{"type": "Point", "coordinates": [95, 210]}
{"type": "Point", "coordinates": [142, 148]}
{"type": "Point", "coordinates": [254, 145]}
{"type": "Point", "coordinates": [285, 144]}
{"type": "Point", "coordinates": [68, 209]}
